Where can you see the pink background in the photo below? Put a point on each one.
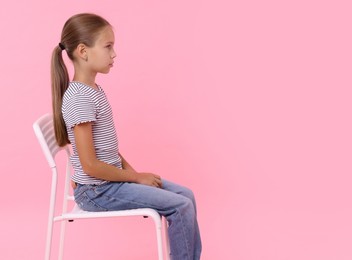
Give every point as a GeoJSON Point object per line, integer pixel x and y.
{"type": "Point", "coordinates": [246, 102]}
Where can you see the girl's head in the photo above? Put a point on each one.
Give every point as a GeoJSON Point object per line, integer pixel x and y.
{"type": "Point", "coordinates": [79, 37]}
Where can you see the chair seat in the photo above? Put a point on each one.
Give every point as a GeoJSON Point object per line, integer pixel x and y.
{"type": "Point", "coordinates": [78, 213]}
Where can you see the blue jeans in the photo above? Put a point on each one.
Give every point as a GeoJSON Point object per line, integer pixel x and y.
{"type": "Point", "coordinates": [173, 201]}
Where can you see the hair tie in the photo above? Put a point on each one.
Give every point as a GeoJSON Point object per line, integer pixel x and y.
{"type": "Point", "coordinates": [62, 47]}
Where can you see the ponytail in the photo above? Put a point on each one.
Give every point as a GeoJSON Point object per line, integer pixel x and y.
{"type": "Point", "coordinates": [59, 84]}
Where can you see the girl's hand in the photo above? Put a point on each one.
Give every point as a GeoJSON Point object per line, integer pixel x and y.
{"type": "Point", "coordinates": [73, 184]}
{"type": "Point", "coordinates": [149, 179]}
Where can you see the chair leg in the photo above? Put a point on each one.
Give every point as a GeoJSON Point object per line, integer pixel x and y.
{"type": "Point", "coordinates": [62, 239]}
{"type": "Point", "coordinates": [166, 240]}
{"type": "Point", "coordinates": [159, 238]}
{"type": "Point", "coordinates": [49, 236]}
{"type": "Point", "coordinates": [49, 239]}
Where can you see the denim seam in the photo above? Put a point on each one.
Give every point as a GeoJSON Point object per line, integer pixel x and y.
{"type": "Point", "coordinates": [131, 201]}
{"type": "Point", "coordinates": [93, 202]}
{"type": "Point", "coordinates": [184, 233]}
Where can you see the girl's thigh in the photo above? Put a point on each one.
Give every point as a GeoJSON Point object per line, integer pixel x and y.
{"type": "Point", "coordinates": [121, 196]}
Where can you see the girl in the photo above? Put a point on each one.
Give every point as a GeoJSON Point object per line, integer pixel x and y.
{"type": "Point", "coordinates": [103, 179]}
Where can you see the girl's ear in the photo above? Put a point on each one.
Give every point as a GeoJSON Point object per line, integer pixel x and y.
{"type": "Point", "coordinates": [81, 51]}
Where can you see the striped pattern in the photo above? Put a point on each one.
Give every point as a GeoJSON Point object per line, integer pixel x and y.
{"type": "Point", "coordinates": [81, 104]}
{"type": "Point", "coordinates": [44, 130]}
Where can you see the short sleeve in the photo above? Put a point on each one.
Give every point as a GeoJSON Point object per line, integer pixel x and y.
{"type": "Point", "coordinates": [79, 108]}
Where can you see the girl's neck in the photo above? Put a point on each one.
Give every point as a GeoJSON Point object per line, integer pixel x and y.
{"type": "Point", "coordinates": [89, 81]}
{"type": "Point", "coordinates": [84, 75]}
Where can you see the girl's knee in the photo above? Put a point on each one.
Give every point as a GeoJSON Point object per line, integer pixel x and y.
{"type": "Point", "coordinates": [188, 206]}
{"type": "Point", "coordinates": [188, 193]}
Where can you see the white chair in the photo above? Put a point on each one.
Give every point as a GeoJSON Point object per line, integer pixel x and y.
{"type": "Point", "coordinates": [44, 131]}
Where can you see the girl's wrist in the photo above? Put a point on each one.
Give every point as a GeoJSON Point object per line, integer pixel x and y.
{"type": "Point", "coordinates": [133, 176]}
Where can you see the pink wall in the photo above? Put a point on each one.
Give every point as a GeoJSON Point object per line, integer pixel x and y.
{"type": "Point", "coordinates": [246, 102]}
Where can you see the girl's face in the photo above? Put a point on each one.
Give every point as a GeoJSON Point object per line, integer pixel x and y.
{"type": "Point", "coordinates": [101, 55]}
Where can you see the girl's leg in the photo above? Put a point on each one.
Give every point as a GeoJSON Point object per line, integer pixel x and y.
{"type": "Point", "coordinates": [186, 192]}
{"type": "Point", "coordinates": [178, 210]}
{"type": "Point", "coordinates": [178, 189]}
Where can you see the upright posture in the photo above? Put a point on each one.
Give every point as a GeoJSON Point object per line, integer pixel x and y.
{"type": "Point", "coordinates": [103, 180]}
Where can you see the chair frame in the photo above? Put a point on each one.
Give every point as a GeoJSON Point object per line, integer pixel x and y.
{"type": "Point", "coordinates": [44, 131]}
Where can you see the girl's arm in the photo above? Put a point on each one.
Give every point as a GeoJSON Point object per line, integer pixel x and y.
{"type": "Point", "coordinates": [98, 169]}
{"type": "Point", "coordinates": [126, 165]}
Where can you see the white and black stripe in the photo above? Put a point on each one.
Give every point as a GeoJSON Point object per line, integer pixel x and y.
{"type": "Point", "coordinates": [81, 104]}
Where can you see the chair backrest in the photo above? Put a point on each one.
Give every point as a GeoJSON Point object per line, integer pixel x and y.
{"type": "Point", "coordinates": [44, 131]}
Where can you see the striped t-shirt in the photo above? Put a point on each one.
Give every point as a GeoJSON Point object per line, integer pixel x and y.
{"type": "Point", "coordinates": [81, 104]}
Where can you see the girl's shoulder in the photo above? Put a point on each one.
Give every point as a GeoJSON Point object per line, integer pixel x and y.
{"type": "Point", "coordinates": [78, 91]}
{"type": "Point", "coordinates": [72, 90]}
{"type": "Point", "coordinates": [76, 87]}
{"type": "Point", "coordinates": [77, 95]}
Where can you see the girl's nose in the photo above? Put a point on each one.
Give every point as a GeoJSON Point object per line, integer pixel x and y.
{"type": "Point", "coordinates": [113, 55]}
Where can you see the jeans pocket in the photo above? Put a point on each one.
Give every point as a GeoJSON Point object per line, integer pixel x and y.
{"type": "Point", "coordinates": [86, 199]}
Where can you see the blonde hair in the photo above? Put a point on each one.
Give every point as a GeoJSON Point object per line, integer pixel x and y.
{"type": "Point", "coordinates": [81, 28]}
